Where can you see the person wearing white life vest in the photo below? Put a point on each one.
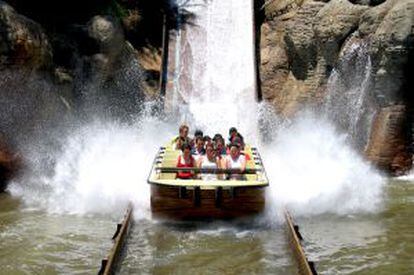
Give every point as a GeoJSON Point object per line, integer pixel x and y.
{"type": "Point", "coordinates": [210, 161]}
{"type": "Point", "coordinates": [235, 160]}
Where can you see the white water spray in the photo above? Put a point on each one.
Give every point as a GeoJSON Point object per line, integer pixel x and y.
{"type": "Point", "coordinates": [102, 167]}
{"type": "Point", "coordinates": [216, 75]}
{"type": "Point", "coordinates": [313, 170]}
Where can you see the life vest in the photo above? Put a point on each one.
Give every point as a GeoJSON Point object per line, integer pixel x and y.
{"type": "Point", "coordinates": [181, 164]}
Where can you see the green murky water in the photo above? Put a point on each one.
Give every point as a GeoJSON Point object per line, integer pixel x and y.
{"type": "Point", "coordinates": [35, 242]}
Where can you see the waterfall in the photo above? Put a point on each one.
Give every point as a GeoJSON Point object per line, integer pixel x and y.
{"type": "Point", "coordinates": [349, 104]}
{"type": "Point", "coordinates": [214, 78]}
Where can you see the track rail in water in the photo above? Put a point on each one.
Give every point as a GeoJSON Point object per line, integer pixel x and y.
{"type": "Point", "coordinates": [110, 263]}
{"type": "Point", "coordinates": [305, 267]}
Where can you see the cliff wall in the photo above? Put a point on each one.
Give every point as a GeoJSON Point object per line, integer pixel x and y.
{"type": "Point", "coordinates": [303, 41]}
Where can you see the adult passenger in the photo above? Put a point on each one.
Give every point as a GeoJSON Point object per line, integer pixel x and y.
{"type": "Point", "coordinates": [183, 132]}
{"type": "Point", "coordinates": [235, 160]}
{"type": "Point", "coordinates": [209, 160]}
{"type": "Point", "coordinates": [197, 133]}
{"type": "Point", "coordinates": [178, 143]}
{"type": "Point", "coordinates": [207, 140]}
{"type": "Point", "coordinates": [198, 149]}
{"type": "Point", "coordinates": [219, 145]}
{"type": "Point", "coordinates": [182, 135]}
{"type": "Point", "coordinates": [233, 133]}
{"type": "Point", "coordinates": [185, 160]}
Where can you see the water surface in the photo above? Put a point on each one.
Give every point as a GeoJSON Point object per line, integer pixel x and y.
{"type": "Point", "coordinates": [36, 241]}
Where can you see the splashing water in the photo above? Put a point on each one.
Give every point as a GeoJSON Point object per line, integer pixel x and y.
{"type": "Point", "coordinates": [313, 170]}
{"type": "Point", "coordinates": [103, 166]}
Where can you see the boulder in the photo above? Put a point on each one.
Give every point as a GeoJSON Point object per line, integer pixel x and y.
{"type": "Point", "coordinates": [111, 82]}
{"type": "Point", "coordinates": [336, 21]}
{"type": "Point", "coordinates": [107, 33]}
{"type": "Point", "coordinates": [392, 45]}
{"type": "Point", "coordinates": [22, 41]}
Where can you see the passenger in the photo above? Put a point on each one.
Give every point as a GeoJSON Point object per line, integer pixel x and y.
{"type": "Point", "coordinates": [185, 160]}
{"type": "Point", "coordinates": [209, 160]}
{"type": "Point", "coordinates": [197, 133]}
{"type": "Point", "coordinates": [238, 141]}
{"type": "Point", "coordinates": [219, 145]}
{"type": "Point", "coordinates": [207, 140]}
{"type": "Point", "coordinates": [198, 149]}
{"type": "Point", "coordinates": [233, 133]}
{"type": "Point", "coordinates": [183, 131]}
{"type": "Point", "coordinates": [235, 160]}
{"type": "Point", "coordinates": [183, 135]}
{"type": "Point", "coordinates": [178, 143]}
{"type": "Point", "coordinates": [216, 136]}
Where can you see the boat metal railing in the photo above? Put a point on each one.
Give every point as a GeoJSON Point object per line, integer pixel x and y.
{"type": "Point", "coordinates": [207, 170]}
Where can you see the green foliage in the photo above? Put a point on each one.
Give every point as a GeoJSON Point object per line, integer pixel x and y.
{"type": "Point", "coordinates": [116, 9]}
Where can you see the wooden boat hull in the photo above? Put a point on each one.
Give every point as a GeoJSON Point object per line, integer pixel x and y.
{"type": "Point", "coordinates": [196, 203]}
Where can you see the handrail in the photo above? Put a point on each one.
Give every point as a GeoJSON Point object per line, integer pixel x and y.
{"type": "Point", "coordinates": [207, 170]}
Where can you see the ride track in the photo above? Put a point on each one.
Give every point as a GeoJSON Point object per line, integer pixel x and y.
{"type": "Point", "coordinates": [111, 263]}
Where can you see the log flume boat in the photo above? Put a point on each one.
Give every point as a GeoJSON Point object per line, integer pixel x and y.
{"type": "Point", "coordinates": [194, 199]}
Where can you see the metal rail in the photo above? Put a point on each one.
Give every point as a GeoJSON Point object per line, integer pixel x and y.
{"type": "Point", "coordinates": [305, 267]}
{"type": "Point", "coordinates": [110, 263]}
{"type": "Point", "coordinates": [207, 170]}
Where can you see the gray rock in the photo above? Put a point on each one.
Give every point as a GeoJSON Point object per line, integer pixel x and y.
{"type": "Point", "coordinates": [108, 34]}
{"type": "Point", "coordinates": [333, 24]}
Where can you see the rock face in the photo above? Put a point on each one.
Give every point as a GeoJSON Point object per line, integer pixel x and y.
{"type": "Point", "coordinates": [302, 42]}
{"type": "Point", "coordinates": [22, 41]}
{"type": "Point", "coordinates": [73, 65]}
{"type": "Point", "coordinates": [111, 75]}
{"type": "Point", "coordinates": [9, 165]}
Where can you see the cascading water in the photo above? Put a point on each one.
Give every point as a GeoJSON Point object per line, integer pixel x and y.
{"type": "Point", "coordinates": [349, 103]}
{"type": "Point", "coordinates": [215, 75]}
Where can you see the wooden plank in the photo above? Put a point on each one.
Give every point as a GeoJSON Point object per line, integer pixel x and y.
{"type": "Point", "coordinates": [166, 202]}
